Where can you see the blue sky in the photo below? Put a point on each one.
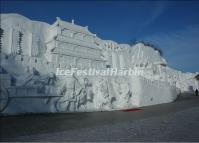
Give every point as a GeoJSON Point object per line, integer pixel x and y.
{"type": "Point", "coordinates": [171, 25]}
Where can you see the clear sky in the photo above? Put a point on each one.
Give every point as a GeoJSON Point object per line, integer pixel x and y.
{"type": "Point", "coordinates": [171, 25]}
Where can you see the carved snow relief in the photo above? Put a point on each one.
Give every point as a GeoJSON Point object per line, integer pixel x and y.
{"type": "Point", "coordinates": [31, 52]}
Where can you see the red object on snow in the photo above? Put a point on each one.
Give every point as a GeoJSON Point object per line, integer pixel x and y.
{"type": "Point", "coordinates": [131, 110]}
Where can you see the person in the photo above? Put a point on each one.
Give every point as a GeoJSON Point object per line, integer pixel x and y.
{"type": "Point", "coordinates": [196, 92]}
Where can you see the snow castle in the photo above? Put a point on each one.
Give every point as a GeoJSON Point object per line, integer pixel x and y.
{"type": "Point", "coordinates": [32, 51]}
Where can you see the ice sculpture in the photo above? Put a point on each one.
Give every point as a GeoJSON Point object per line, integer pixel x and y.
{"type": "Point", "coordinates": [31, 51]}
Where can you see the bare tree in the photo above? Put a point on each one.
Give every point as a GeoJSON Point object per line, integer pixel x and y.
{"type": "Point", "coordinates": [146, 43]}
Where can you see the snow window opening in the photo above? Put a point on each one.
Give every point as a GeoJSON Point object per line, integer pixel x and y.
{"type": "Point", "coordinates": [108, 66]}
{"type": "Point", "coordinates": [6, 57]}
{"type": "Point", "coordinates": [20, 44]}
{"type": "Point", "coordinates": [13, 81]}
{"type": "Point", "coordinates": [1, 38]}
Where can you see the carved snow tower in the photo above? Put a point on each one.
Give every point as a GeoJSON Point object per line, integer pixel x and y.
{"type": "Point", "coordinates": [32, 51]}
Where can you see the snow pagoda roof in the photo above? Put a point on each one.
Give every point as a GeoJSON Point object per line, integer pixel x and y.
{"type": "Point", "coordinates": [72, 26]}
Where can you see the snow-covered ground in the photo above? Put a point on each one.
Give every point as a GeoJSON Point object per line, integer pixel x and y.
{"type": "Point", "coordinates": [176, 121]}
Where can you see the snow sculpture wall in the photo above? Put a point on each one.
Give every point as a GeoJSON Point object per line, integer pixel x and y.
{"type": "Point", "coordinates": [144, 94]}
{"type": "Point", "coordinates": [31, 52]}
